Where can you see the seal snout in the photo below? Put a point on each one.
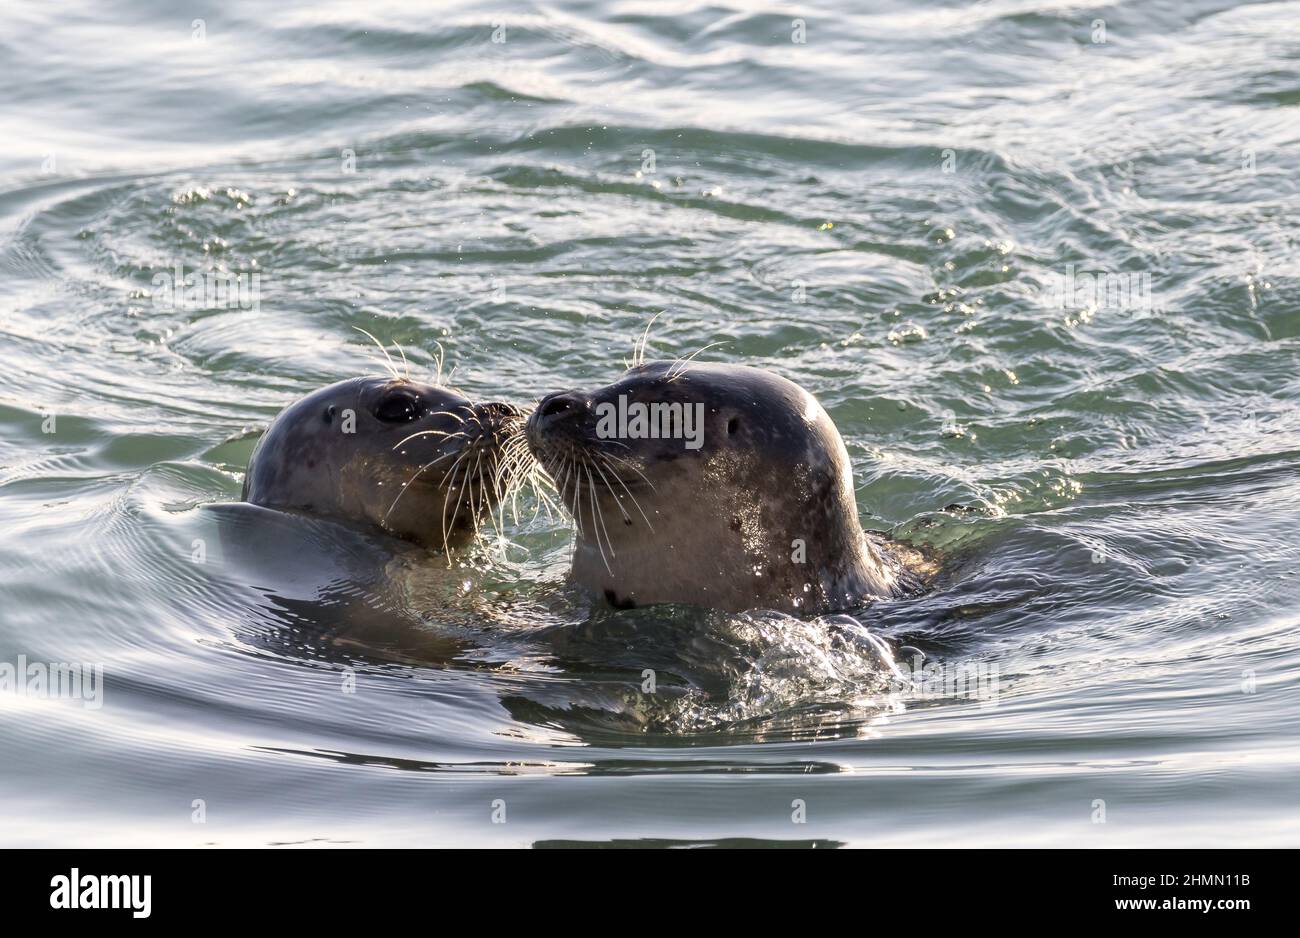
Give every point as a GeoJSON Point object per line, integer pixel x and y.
{"type": "Point", "coordinates": [561, 404]}
{"type": "Point", "coordinates": [556, 410]}
{"type": "Point", "coordinates": [496, 413]}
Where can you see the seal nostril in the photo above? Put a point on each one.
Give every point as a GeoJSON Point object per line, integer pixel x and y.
{"type": "Point", "coordinates": [555, 405]}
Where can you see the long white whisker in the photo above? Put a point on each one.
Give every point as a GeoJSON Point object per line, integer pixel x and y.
{"type": "Point", "coordinates": [441, 355]}
{"type": "Point", "coordinates": [638, 350]}
{"type": "Point", "coordinates": [610, 488]}
{"type": "Point", "coordinates": [635, 503]}
{"type": "Point", "coordinates": [407, 439]}
{"type": "Point", "coordinates": [446, 531]}
{"type": "Point", "coordinates": [600, 517]}
{"type": "Point", "coordinates": [478, 497]}
{"type": "Point", "coordinates": [463, 453]}
{"type": "Point", "coordinates": [379, 345]}
{"type": "Point", "coordinates": [633, 467]}
{"type": "Point", "coordinates": [418, 473]}
{"type": "Point", "coordinates": [405, 361]}
{"type": "Point", "coordinates": [679, 367]}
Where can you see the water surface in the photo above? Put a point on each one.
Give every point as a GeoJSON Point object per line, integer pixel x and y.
{"type": "Point", "coordinates": [885, 212]}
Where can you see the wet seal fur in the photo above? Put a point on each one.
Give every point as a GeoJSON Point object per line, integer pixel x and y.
{"type": "Point", "coordinates": [419, 461]}
{"type": "Point", "coordinates": [761, 514]}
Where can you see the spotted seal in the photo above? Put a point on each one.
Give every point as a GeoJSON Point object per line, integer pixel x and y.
{"type": "Point", "coordinates": [419, 461]}
{"type": "Point", "coordinates": [721, 485]}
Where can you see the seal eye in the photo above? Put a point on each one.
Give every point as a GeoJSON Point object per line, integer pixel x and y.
{"type": "Point", "coordinates": [732, 426]}
{"type": "Point", "coordinates": [399, 406]}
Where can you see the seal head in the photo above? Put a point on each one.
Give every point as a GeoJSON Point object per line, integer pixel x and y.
{"type": "Point", "coordinates": [417, 460]}
{"type": "Point", "coordinates": [719, 485]}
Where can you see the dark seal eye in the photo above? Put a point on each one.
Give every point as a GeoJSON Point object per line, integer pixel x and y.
{"type": "Point", "coordinates": [399, 406]}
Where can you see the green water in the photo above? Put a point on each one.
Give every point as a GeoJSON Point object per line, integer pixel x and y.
{"type": "Point", "coordinates": [888, 212]}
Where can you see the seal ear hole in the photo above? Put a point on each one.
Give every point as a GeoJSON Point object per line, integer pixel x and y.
{"type": "Point", "coordinates": [330, 411]}
{"type": "Point", "coordinates": [733, 425]}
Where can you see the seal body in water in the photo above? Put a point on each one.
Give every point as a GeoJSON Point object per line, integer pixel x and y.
{"type": "Point", "coordinates": [730, 487]}
{"type": "Point", "coordinates": [417, 460]}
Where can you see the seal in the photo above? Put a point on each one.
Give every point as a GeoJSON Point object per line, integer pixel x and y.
{"type": "Point", "coordinates": [719, 485]}
{"type": "Point", "coordinates": [419, 461]}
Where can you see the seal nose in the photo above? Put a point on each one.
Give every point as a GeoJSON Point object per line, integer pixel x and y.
{"type": "Point", "coordinates": [558, 406]}
{"type": "Point", "coordinates": [498, 410]}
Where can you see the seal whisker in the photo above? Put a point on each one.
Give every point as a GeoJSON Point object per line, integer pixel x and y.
{"type": "Point", "coordinates": [380, 364]}
{"type": "Point", "coordinates": [504, 479]}
{"type": "Point", "coordinates": [391, 367]}
{"type": "Point", "coordinates": [600, 517]}
{"type": "Point", "coordinates": [437, 380]}
{"type": "Point", "coordinates": [635, 503]}
{"type": "Point", "coordinates": [518, 467]}
{"type": "Point", "coordinates": [555, 476]}
{"type": "Point", "coordinates": [455, 509]}
{"type": "Point", "coordinates": [508, 472]}
{"type": "Point", "coordinates": [463, 494]}
{"type": "Point", "coordinates": [575, 509]}
{"type": "Point", "coordinates": [538, 476]}
{"type": "Point", "coordinates": [408, 482]}
{"type": "Point", "coordinates": [503, 467]}
{"type": "Point", "coordinates": [573, 479]}
{"type": "Point", "coordinates": [595, 465]}
{"type": "Point", "coordinates": [539, 480]}
{"type": "Point", "coordinates": [509, 453]}
{"type": "Point", "coordinates": [491, 492]}
{"type": "Point", "coordinates": [449, 481]}
{"type": "Point", "coordinates": [564, 488]}
{"type": "Point", "coordinates": [544, 499]}
{"type": "Point", "coordinates": [518, 478]}
{"type": "Point", "coordinates": [463, 453]}
{"type": "Point", "coordinates": [477, 496]}
{"type": "Point", "coordinates": [679, 367]}
{"type": "Point", "coordinates": [408, 439]}
{"type": "Point", "coordinates": [577, 501]}
{"type": "Point", "coordinates": [633, 467]}
{"type": "Point", "coordinates": [638, 348]}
